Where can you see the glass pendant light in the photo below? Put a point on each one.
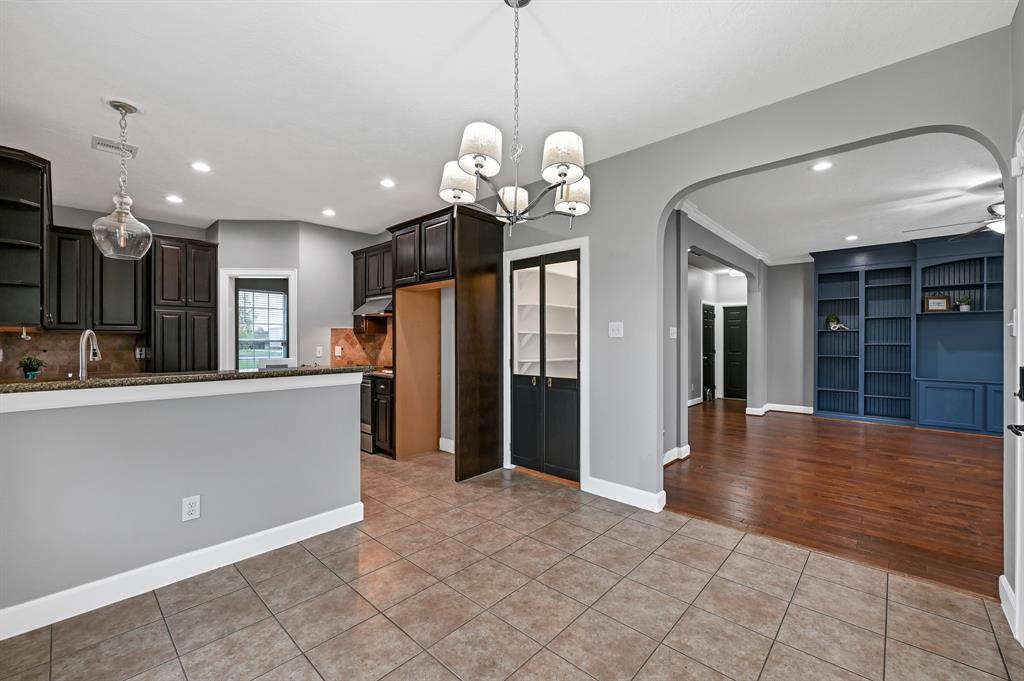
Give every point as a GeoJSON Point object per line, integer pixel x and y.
{"type": "Point", "coordinates": [119, 235]}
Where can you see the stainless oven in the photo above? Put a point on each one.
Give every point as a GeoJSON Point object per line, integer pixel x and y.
{"type": "Point", "coordinates": [366, 415]}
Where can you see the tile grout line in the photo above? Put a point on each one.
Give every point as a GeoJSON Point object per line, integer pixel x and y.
{"type": "Point", "coordinates": [999, 646]}
{"type": "Point", "coordinates": [775, 638]}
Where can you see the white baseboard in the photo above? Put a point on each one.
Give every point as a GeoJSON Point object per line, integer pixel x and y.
{"type": "Point", "coordinates": [789, 408]}
{"type": "Point", "coordinates": [694, 401]}
{"type": "Point", "coordinates": [1009, 602]}
{"type": "Point", "coordinates": [23, 617]}
{"type": "Point", "coordinates": [446, 445]}
{"type": "Point", "coordinates": [675, 453]}
{"type": "Point", "coordinates": [648, 501]}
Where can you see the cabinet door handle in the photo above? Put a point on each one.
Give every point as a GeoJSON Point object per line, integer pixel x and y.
{"type": "Point", "coordinates": [549, 381]}
{"type": "Point", "coordinates": [49, 317]}
{"type": "Point", "coordinates": [533, 381]}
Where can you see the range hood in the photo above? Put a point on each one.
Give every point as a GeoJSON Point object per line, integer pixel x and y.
{"type": "Point", "coordinates": [382, 306]}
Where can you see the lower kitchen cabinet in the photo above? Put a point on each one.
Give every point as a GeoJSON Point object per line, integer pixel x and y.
{"type": "Point", "coordinates": [384, 415]}
{"type": "Point", "coordinates": [169, 334]}
{"type": "Point", "coordinates": [201, 341]}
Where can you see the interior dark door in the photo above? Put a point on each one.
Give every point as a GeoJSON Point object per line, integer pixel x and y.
{"type": "Point", "coordinates": [545, 383]}
{"type": "Point", "coordinates": [708, 352]}
{"type": "Point", "coordinates": [735, 341]}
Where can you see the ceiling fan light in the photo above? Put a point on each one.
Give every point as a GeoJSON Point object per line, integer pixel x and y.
{"type": "Point", "coordinates": [516, 198]}
{"type": "Point", "coordinates": [574, 199]}
{"type": "Point", "coordinates": [119, 235]}
{"type": "Point", "coordinates": [480, 149]}
{"type": "Point", "coordinates": [998, 226]}
{"type": "Point", "coordinates": [563, 157]}
{"type": "Point", "coordinates": [457, 186]}
{"type": "Point", "coordinates": [998, 209]}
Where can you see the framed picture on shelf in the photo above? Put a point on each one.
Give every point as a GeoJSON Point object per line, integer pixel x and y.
{"type": "Point", "coordinates": [937, 304]}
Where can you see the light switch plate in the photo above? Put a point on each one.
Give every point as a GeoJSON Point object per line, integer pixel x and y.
{"type": "Point", "coordinates": [319, 351]}
{"type": "Point", "coordinates": [615, 329]}
{"type": "Point", "coordinates": [673, 332]}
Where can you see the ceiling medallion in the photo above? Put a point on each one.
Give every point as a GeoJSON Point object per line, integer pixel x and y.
{"type": "Point", "coordinates": [480, 159]}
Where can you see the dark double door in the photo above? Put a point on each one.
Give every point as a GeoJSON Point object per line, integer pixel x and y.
{"type": "Point", "coordinates": [708, 352]}
{"type": "Point", "coordinates": [735, 342]}
{"type": "Point", "coordinates": [545, 364]}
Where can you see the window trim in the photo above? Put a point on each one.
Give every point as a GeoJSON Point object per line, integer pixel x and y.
{"type": "Point", "coordinates": [239, 289]}
{"type": "Point", "coordinates": [227, 312]}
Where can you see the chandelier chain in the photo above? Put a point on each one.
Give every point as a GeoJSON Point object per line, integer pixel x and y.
{"type": "Point", "coordinates": [125, 154]}
{"type": "Point", "coordinates": [517, 148]}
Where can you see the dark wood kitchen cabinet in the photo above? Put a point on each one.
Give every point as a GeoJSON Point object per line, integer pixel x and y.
{"type": "Point", "coordinates": [169, 271]}
{"type": "Point", "coordinates": [423, 250]}
{"type": "Point", "coordinates": [169, 339]}
{"type": "Point", "coordinates": [201, 274]}
{"type": "Point", "coordinates": [184, 305]}
{"type": "Point", "coordinates": [25, 212]}
{"type": "Point", "coordinates": [201, 340]}
{"type": "Point", "coordinates": [383, 415]}
{"type": "Point", "coordinates": [118, 294]}
{"type": "Point", "coordinates": [66, 304]}
{"type": "Point", "coordinates": [371, 278]}
{"type": "Point", "coordinates": [378, 275]}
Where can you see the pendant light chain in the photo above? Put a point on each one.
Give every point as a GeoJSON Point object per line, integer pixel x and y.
{"type": "Point", "coordinates": [517, 148]}
{"type": "Point", "coordinates": [125, 154]}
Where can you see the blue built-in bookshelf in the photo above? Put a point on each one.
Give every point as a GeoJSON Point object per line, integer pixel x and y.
{"type": "Point", "coordinates": [896, 362]}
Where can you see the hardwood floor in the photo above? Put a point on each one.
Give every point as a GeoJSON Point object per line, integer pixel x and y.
{"type": "Point", "coordinates": [924, 502]}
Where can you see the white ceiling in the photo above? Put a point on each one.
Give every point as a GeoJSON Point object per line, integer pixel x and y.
{"type": "Point", "coordinates": [875, 193]}
{"type": "Point", "coordinates": [300, 106]}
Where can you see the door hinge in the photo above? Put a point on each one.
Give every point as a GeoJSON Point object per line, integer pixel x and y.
{"type": "Point", "coordinates": [1015, 166]}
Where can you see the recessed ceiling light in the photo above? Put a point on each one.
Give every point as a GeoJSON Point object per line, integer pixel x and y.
{"type": "Point", "coordinates": [387, 183]}
{"type": "Point", "coordinates": [329, 212]}
{"type": "Point", "coordinates": [821, 165]}
{"type": "Point", "coordinates": [851, 237]}
{"type": "Point", "coordinates": [735, 273]}
{"type": "Point", "coordinates": [200, 166]}
{"type": "Point", "coordinates": [173, 198]}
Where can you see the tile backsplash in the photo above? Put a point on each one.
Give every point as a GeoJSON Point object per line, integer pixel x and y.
{"type": "Point", "coordinates": [362, 348]}
{"type": "Point", "coordinates": [60, 352]}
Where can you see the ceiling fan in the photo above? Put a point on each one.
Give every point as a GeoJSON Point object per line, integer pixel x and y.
{"type": "Point", "coordinates": [996, 222]}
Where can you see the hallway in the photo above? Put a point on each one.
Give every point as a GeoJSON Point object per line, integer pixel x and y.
{"type": "Point", "coordinates": [922, 502]}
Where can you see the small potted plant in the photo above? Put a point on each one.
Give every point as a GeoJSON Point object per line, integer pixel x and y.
{"type": "Point", "coordinates": [30, 366]}
{"type": "Point", "coordinates": [964, 302]}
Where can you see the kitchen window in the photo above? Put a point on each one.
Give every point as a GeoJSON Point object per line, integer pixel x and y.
{"type": "Point", "coordinates": [261, 321]}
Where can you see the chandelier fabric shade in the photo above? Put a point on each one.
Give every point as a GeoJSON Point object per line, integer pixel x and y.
{"type": "Point", "coordinates": [563, 157]}
{"type": "Point", "coordinates": [481, 145]}
{"type": "Point", "coordinates": [516, 199]}
{"type": "Point", "coordinates": [457, 186]}
{"type": "Point", "coordinates": [574, 199]}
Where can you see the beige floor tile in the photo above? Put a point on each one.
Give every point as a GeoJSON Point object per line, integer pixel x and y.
{"type": "Point", "coordinates": [594, 519]}
{"type": "Point", "coordinates": [546, 666]}
{"type": "Point", "coordinates": [433, 613]}
{"type": "Point", "coordinates": [612, 554]}
{"type": "Point", "coordinates": [24, 651]}
{"type": "Point", "coordinates": [488, 537]}
{"type": "Point", "coordinates": [453, 522]}
{"type": "Point", "coordinates": [720, 644]}
{"type": "Point", "coordinates": [492, 506]}
{"type": "Point", "coordinates": [266, 565]}
{"type": "Point", "coordinates": [638, 534]}
{"type": "Point", "coordinates": [668, 665]}
{"type": "Point", "coordinates": [359, 560]}
{"type": "Point", "coordinates": [242, 655]}
{"type": "Point", "coordinates": [366, 652]}
{"type": "Point", "coordinates": [392, 584]}
{"type": "Point", "coordinates": [712, 533]}
{"type": "Point", "coordinates": [445, 558]}
{"type": "Point", "coordinates": [425, 507]}
{"type": "Point", "coordinates": [938, 601]}
{"type": "Point", "coordinates": [120, 657]}
{"type": "Point", "coordinates": [669, 577]}
{"type": "Point", "coordinates": [396, 496]}
{"type": "Point", "coordinates": [42, 673]}
{"type": "Point", "coordinates": [331, 542]}
{"type": "Point", "coordinates": [195, 627]}
{"type": "Point", "coordinates": [748, 607]}
{"type": "Point", "coordinates": [411, 539]}
{"type": "Point", "coordinates": [648, 611]}
{"type": "Point", "coordinates": [538, 611]}
{"type": "Point", "coordinates": [789, 664]}
{"type": "Point", "coordinates": [856, 607]}
{"type": "Point", "coordinates": [98, 625]}
{"type": "Point", "coordinates": [612, 506]}
{"type": "Point", "coordinates": [168, 671]}
{"type": "Point", "coordinates": [602, 647]}
{"type": "Point", "coordinates": [906, 663]}
{"type": "Point", "coordinates": [760, 575]}
{"type": "Point", "coordinates": [693, 552]}
{"type": "Point", "coordinates": [325, 616]}
{"type": "Point", "coordinates": [579, 579]}
{"type": "Point", "coordinates": [1013, 653]}
{"type": "Point", "coordinates": [470, 651]}
{"type": "Point", "coordinates": [423, 667]}
{"type": "Point", "coordinates": [529, 556]}
{"type": "Point", "coordinates": [296, 669]}
{"type": "Point", "coordinates": [199, 589]}
{"type": "Point", "coordinates": [525, 520]}
{"type": "Point", "coordinates": [384, 522]}
{"type": "Point", "coordinates": [564, 536]}
{"type": "Point", "coordinates": [844, 645]}
{"type": "Point", "coordinates": [779, 553]}
{"type": "Point", "coordinates": [848, 574]}
{"type": "Point", "coordinates": [290, 588]}
{"type": "Point", "coordinates": [955, 640]}
{"type": "Point", "coordinates": [487, 582]}
{"type": "Point", "coordinates": [666, 520]}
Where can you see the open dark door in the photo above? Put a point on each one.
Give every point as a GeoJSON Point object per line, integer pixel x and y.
{"type": "Point", "coordinates": [735, 341]}
{"type": "Point", "coordinates": [708, 353]}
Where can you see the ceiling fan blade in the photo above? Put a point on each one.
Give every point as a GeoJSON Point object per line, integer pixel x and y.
{"type": "Point", "coordinates": [983, 228]}
{"type": "Point", "coordinates": [954, 224]}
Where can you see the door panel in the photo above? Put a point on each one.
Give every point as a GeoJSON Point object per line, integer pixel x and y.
{"type": "Point", "coordinates": [405, 243]}
{"type": "Point", "coordinates": [708, 353]}
{"type": "Point", "coordinates": [119, 294]}
{"type": "Point", "coordinates": [67, 299]}
{"type": "Point", "coordinates": [735, 352]}
{"type": "Point", "coordinates": [373, 273]}
{"type": "Point", "coordinates": [202, 340]}
{"type": "Point", "coordinates": [202, 275]}
{"type": "Point", "coordinates": [169, 340]}
{"type": "Point", "coordinates": [561, 428]}
{"type": "Point", "coordinates": [526, 365]}
{"type": "Point", "coordinates": [526, 422]}
{"type": "Point", "coordinates": [168, 272]}
{"type": "Point", "coordinates": [436, 245]}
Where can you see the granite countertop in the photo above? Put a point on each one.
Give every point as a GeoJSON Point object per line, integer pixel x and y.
{"type": "Point", "coordinates": [123, 380]}
{"type": "Point", "coordinates": [383, 372]}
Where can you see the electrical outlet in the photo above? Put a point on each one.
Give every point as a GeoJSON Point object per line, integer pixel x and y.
{"type": "Point", "coordinates": [140, 353]}
{"type": "Point", "coordinates": [337, 351]}
{"type": "Point", "coordinates": [319, 351]}
{"type": "Point", "coordinates": [615, 329]}
{"type": "Point", "coordinates": [190, 508]}
{"type": "Point", "coordinates": [673, 332]}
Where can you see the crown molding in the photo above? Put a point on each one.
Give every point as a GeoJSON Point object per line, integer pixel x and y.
{"type": "Point", "coordinates": [707, 222]}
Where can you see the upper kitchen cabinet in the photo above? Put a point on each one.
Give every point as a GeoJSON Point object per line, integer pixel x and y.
{"type": "Point", "coordinates": [372, 278]}
{"type": "Point", "coordinates": [201, 274]}
{"type": "Point", "coordinates": [118, 294]}
{"type": "Point", "coordinates": [25, 214]}
{"type": "Point", "coordinates": [169, 271]}
{"type": "Point", "coordinates": [379, 273]}
{"type": "Point", "coordinates": [184, 275]}
{"type": "Point", "coordinates": [423, 250]}
{"type": "Point", "coordinates": [68, 257]}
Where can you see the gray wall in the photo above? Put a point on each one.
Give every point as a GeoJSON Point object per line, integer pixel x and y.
{"type": "Point", "coordinates": [635, 193]}
{"type": "Point", "coordinates": [701, 286]}
{"type": "Point", "coordinates": [790, 317]}
{"type": "Point", "coordinates": [730, 289]}
{"type": "Point", "coordinates": [673, 263]}
{"type": "Point", "coordinates": [83, 219]}
{"type": "Point", "coordinates": [323, 258]}
{"type": "Point", "coordinates": [74, 509]}
{"type": "Point", "coordinates": [448, 363]}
